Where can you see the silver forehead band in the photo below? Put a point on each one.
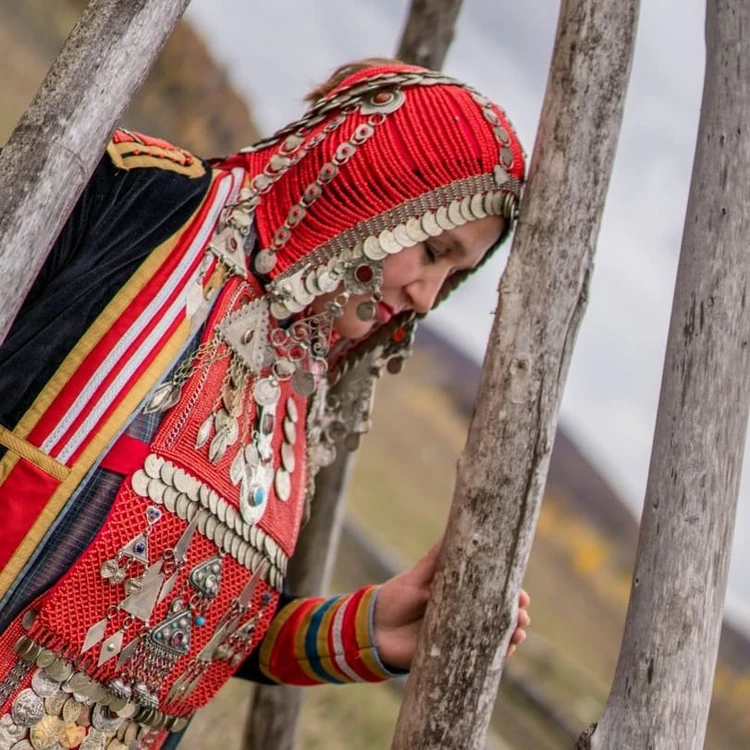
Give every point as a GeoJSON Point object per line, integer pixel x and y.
{"type": "Point", "coordinates": [368, 243]}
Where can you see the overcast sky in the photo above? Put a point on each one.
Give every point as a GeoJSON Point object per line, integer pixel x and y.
{"type": "Point", "coordinates": [276, 51]}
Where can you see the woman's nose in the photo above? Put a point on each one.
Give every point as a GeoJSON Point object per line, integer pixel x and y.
{"type": "Point", "coordinates": [424, 293]}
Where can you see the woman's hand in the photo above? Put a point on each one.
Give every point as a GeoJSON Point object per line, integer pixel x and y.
{"type": "Point", "coordinates": [400, 608]}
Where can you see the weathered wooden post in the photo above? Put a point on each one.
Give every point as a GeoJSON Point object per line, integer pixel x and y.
{"type": "Point", "coordinates": [274, 713]}
{"type": "Point", "coordinates": [662, 687]}
{"type": "Point", "coordinates": [59, 140]}
{"type": "Point", "coordinates": [472, 610]}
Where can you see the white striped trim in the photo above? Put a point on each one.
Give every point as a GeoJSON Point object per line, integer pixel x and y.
{"type": "Point", "coordinates": [143, 320]}
{"type": "Point", "coordinates": [338, 656]}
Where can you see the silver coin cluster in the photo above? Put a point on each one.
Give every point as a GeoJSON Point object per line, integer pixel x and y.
{"type": "Point", "coordinates": [166, 484]}
{"type": "Point", "coordinates": [375, 239]}
{"type": "Point", "coordinates": [66, 708]}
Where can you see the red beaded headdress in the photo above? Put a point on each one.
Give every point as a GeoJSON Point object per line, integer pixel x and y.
{"type": "Point", "coordinates": [394, 154]}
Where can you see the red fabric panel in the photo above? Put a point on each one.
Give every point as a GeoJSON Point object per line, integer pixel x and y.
{"type": "Point", "coordinates": [126, 455]}
{"type": "Point", "coordinates": [23, 496]}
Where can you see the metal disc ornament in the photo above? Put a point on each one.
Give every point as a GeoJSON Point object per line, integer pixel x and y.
{"type": "Point", "coordinates": [366, 311]}
{"type": "Point", "coordinates": [283, 484]}
{"type": "Point", "coordinates": [303, 383]}
{"type": "Point", "coordinates": [265, 261]}
{"type": "Point", "coordinates": [266, 392]}
{"type": "Point", "coordinates": [28, 708]}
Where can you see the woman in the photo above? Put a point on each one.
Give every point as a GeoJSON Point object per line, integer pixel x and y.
{"type": "Point", "coordinates": [166, 402]}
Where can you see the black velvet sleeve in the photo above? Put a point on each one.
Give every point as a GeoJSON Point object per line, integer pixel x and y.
{"type": "Point", "coordinates": [121, 216]}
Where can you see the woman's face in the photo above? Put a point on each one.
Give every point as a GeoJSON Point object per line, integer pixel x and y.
{"type": "Point", "coordinates": [413, 278]}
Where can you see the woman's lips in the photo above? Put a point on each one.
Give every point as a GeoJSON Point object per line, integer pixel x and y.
{"type": "Point", "coordinates": [384, 312]}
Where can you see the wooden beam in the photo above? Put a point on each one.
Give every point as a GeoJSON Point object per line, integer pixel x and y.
{"type": "Point", "coordinates": [501, 474]}
{"type": "Point", "coordinates": [59, 140]}
{"type": "Point", "coordinates": [662, 687]}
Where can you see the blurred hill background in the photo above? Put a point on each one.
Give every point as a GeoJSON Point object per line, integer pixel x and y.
{"type": "Point", "coordinates": [579, 575]}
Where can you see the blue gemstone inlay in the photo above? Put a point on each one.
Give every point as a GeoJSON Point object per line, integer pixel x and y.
{"type": "Point", "coordinates": [259, 496]}
{"type": "Point", "coordinates": [200, 621]}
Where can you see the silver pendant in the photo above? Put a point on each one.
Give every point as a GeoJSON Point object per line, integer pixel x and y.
{"type": "Point", "coordinates": [283, 485]}
{"type": "Point", "coordinates": [366, 311]}
{"type": "Point", "coordinates": [287, 457]}
{"type": "Point", "coordinates": [303, 383]}
{"type": "Point", "coordinates": [246, 333]}
{"type": "Point", "coordinates": [43, 685]}
{"type": "Point", "coordinates": [266, 392]}
{"type": "Point", "coordinates": [164, 398]}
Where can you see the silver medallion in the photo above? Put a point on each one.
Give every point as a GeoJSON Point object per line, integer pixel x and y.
{"type": "Point", "coordinates": [10, 732]}
{"type": "Point", "coordinates": [283, 484]}
{"type": "Point", "coordinates": [287, 457]}
{"type": "Point", "coordinates": [402, 236]}
{"type": "Point", "coordinates": [303, 383]}
{"type": "Point", "coordinates": [266, 392]}
{"type": "Point", "coordinates": [28, 619]}
{"type": "Point", "coordinates": [156, 489]}
{"type": "Point", "coordinates": [59, 670]}
{"type": "Point", "coordinates": [71, 709]}
{"type": "Point", "coordinates": [265, 261]}
{"type": "Point", "coordinates": [28, 708]}
{"type": "Point", "coordinates": [21, 745]}
{"type": "Point", "coordinates": [152, 465]}
{"type": "Point", "coordinates": [415, 231]}
{"type": "Point", "coordinates": [221, 510]}
{"type": "Point", "coordinates": [103, 719]}
{"type": "Point", "coordinates": [167, 473]}
{"type": "Point", "coordinates": [219, 534]}
{"type": "Point", "coordinates": [43, 685]}
{"type": "Point", "coordinates": [465, 208]}
{"type": "Point", "coordinates": [441, 217]}
{"type": "Point", "coordinates": [53, 704]}
{"type": "Point", "coordinates": [181, 506]}
{"type": "Point", "coordinates": [170, 499]}
{"type": "Point", "coordinates": [477, 206]}
{"type": "Point", "coordinates": [45, 657]}
{"type": "Point", "coordinates": [430, 225]}
{"type": "Point", "coordinates": [387, 241]}
{"type": "Point", "coordinates": [139, 482]}
{"type": "Point", "coordinates": [372, 249]}
{"type": "Point", "coordinates": [454, 213]}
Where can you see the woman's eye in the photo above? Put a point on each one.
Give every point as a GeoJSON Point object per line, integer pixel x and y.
{"type": "Point", "coordinates": [430, 253]}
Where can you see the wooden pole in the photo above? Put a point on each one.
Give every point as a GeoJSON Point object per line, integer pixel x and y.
{"type": "Point", "coordinates": [274, 712]}
{"type": "Point", "coordinates": [501, 474]}
{"type": "Point", "coordinates": [662, 687]}
{"type": "Point", "coordinates": [59, 140]}
{"type": "Point", "coordinates": [428, 32]}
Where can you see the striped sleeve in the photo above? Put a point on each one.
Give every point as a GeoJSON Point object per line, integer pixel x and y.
{"type": "Point", "coordinates": [318, 641]}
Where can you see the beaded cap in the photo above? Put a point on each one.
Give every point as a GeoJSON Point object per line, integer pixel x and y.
{"type": "Point", "coordinates": [393, 155]}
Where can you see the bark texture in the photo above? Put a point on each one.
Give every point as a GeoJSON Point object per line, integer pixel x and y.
{"type": "Point", "coordinates": [428, 32]}
{"type": "Point", "coordinates": [501, 474]}
{"type": "Point", "coordinates": [59, 140]}
{"type": "Point", "coordinates": [274, 712]}
{"type": "Point", "coordinates": [662, 688]}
